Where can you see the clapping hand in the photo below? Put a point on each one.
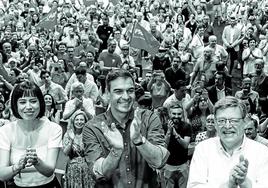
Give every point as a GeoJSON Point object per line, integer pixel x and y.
{"type": "Point", "coordinates": [135, 127]}
{"type": "Point", "coordinates": [21, 164]}
{"type": "Point", "coordinates": [239, 172]}
{"type": "Point", "coordinates": [113, 136]}
{"type": "Point", "coordinates": [31, 156]}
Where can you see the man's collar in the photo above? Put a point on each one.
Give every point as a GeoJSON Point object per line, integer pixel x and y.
{"type": "Point", "coordinates": [220, 89]}
{"type": "Point", "coordinates": [111, 119]}
{"type": "Point", "coordinates": [239, 148]}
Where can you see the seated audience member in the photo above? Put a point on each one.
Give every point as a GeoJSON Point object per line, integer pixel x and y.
{"type": "Point", "coordinates": [237, 157]}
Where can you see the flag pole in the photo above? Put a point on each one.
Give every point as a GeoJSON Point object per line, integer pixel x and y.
{"type": "Point", "coordinates": [132, 31]}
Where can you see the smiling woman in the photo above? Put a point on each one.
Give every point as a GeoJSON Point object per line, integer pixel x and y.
{"type": "Point", "coordinates": [77, 171]}
{"type": "Point", "coordinates": [31, 143]}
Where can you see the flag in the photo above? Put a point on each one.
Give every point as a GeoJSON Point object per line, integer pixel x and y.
{"type": "Point", "coordinates": [142, 39]}
{"type": "Point", "coordinates": [3, 72]}
{"type": "Point", "coordinates": [87, 3]}
{"type": "Point", "coordinates": [50, 20]}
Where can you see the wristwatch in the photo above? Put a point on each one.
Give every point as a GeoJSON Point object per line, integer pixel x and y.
{"type": "Point", "coordinates": [143, 140]}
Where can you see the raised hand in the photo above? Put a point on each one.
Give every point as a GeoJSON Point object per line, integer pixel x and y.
{"type": "Point", "coordinates": [113, 136]}
{"type": "Point", "coordinates": [239, 172]}
{"type": "Point", "coordinates": [135, 127]}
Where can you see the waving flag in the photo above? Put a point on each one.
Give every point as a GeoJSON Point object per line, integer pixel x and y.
{"type": "Point", "coordinates": [50, 20]}
{"type": "Point", "coordinates": [142, 39]}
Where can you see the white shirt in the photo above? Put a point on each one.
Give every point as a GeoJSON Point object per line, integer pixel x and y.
{"type": "Point", "coordinates": [47, 135]}
{"type": "Point", "coordinates": [87, 104]}
{"type": "Point", "coordinates": [211, 165]}
{"type": "Point", "coordinates": [220, 93]}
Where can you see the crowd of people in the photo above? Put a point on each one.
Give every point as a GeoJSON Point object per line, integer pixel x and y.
{"type": "Point", "coordinates": [192, 115]}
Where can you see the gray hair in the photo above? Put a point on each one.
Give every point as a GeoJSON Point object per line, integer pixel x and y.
{"type": "Point", "coordinates": [228, 102]}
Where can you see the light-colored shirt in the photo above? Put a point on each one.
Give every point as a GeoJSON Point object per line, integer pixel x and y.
{"type": "Point", "coordinates": [56, 91]}
{"type": "Point", "coordinates": [74, 79]}
{"type": "Point", "coordinates": [48, 135]}
{"type": "Point", "coordinates": [87, 104]}
{"type": "Point", "coordinates": [261, 140]}
{"type": "Point", "coordinates": [211, 164]}
{"type": "Point", "coordinates": [220, 93]}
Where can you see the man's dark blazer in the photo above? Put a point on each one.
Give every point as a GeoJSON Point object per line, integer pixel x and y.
{"type": "Point", "coordinates": [212, 93]}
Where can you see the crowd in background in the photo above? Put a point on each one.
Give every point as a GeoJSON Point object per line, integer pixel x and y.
{"type": "Point", "coordinates": [209, 49]}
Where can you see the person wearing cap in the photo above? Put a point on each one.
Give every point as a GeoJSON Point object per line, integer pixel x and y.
{"type": "Point", "coordinates": [161, 61]}
{"type": "Point", "coordinates": [251, 131]}
{"type": "Point", "coordinates": [231, 38]}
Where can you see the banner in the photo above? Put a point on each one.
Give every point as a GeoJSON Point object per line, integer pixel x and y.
{"type": "Point", "coordinates": [142, 39]}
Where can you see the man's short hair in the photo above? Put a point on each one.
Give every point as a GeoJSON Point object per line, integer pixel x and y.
{"type": "Point", "coordinates": [80, 70]}
{"type": "Point", "coordinates": [43, 72]}
{"type": "Point", "coordinates": [116, 74]}
{"type": "Point", "coordinates": [228, 102]}
{"type": "Point", "coordinates": [179, 84]}
{"type": "Point", "coordinates": [175, 105]}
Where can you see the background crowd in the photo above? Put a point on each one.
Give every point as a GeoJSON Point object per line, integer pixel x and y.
{"type": "Point", "coordinates": [209, 49]}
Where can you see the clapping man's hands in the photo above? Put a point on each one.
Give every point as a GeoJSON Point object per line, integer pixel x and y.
{"type": "Point", "coordinates": [239, 172]}
{"type": "Point", "coordinates": [135, 127]}
{"type": "Point", "coordinates": [113, 136]}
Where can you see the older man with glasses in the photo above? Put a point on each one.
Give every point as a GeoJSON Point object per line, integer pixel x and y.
{"type": "Point", "coordinates": [229, 160]}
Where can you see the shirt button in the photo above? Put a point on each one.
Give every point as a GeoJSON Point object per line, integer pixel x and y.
{"type": "Point", "coordinates": [128, 169]}
{"type": "Point", "coordinates": [125, 144]}
{"type": "Point", "coordinates": [126, 156]}
{"type": "Point", "coordinates": [129, 182]}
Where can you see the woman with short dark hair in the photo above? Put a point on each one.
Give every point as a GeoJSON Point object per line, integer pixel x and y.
{"type": "Point", "coordinates": [30, 145]}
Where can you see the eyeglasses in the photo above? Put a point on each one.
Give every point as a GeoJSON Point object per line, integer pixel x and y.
{"type": "Point", "coordinates": [232, 121]}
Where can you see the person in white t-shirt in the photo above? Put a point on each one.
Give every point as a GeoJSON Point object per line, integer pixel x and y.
{"type": "Point", "coordinates": [30, 145]}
